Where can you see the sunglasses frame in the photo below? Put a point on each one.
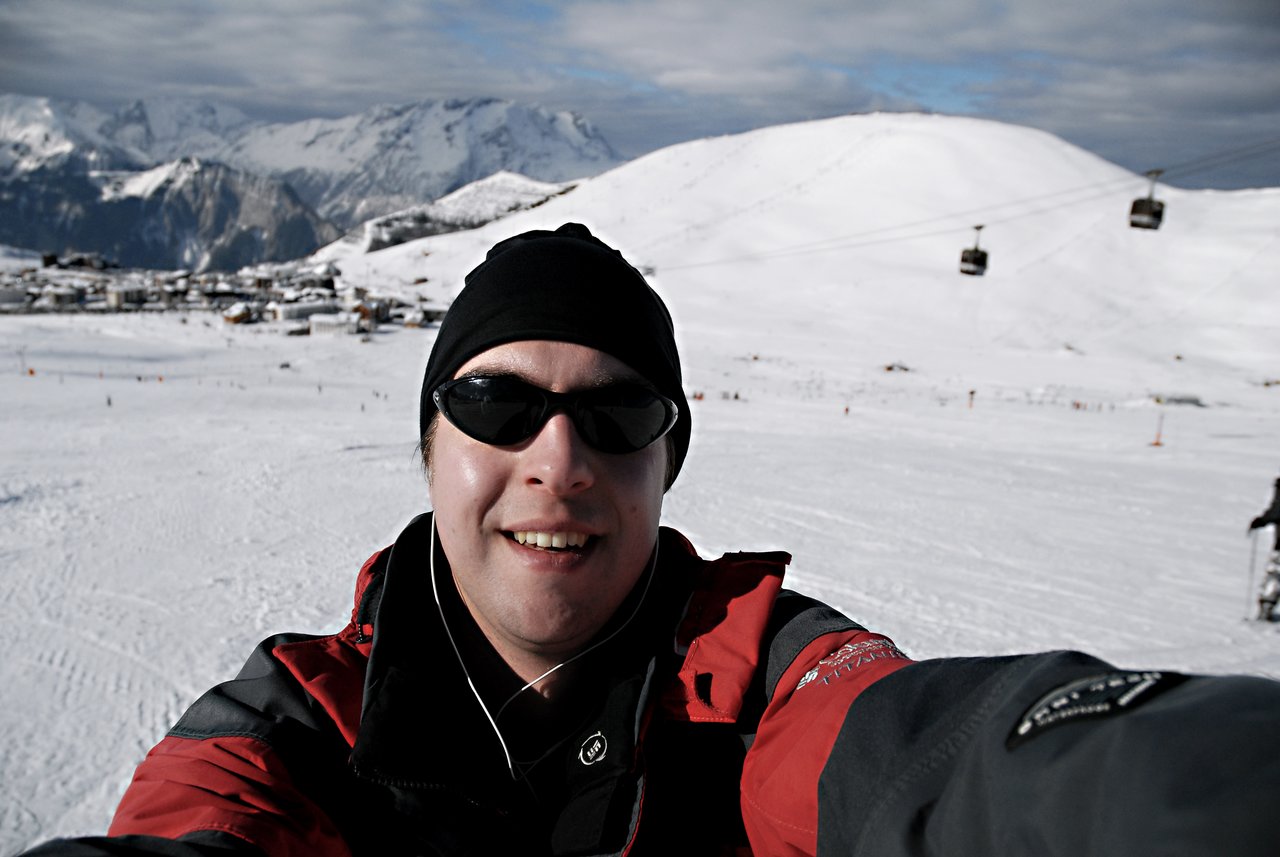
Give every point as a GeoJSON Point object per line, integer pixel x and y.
{"type": "Point", "coordinates": [541, 404]}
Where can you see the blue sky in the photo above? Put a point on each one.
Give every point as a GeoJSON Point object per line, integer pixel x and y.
{"type": "Point", "coordinates": [1144, 83]}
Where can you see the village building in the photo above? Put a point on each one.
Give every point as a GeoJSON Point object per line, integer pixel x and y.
{"type": "Point", "coordinates": [239, 313]}
{"type": "Point", "coordinates": [337, 323]}
{"type": "Point", "coordinates": [62, 296]}
{"type": "Point", "coordinates": [12, 298]}
{"type": "Point", "coordinates": [294, 310]}
{"type": "Point", "coordinates": [125, 295]}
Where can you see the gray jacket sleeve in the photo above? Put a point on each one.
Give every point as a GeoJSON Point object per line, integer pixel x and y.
{"type": "Point", "coordinates": [1054, 755]}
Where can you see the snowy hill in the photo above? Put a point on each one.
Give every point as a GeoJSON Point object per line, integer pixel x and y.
{"type": "Point", "coordinates": [473, 205]}
{"type": "Point", "coordinates": [173, 490]}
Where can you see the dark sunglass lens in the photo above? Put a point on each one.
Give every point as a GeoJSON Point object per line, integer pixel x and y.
{"type": "Point", "coordinates": [622, 418]}
{"type": "Point", "coordinates": [500, 411]}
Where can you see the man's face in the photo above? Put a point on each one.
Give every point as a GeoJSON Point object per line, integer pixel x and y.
{"type": "Point", "coordinates": [545, 602]}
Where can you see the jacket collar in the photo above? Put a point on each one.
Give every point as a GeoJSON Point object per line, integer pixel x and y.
{"type": "Point", "coordinates": [420, 725]}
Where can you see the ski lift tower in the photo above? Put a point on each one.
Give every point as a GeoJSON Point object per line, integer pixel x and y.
{"type": "Point", "coordinates": [1147, 213]}
{"type": "Point", "coordinates": [973, 261]}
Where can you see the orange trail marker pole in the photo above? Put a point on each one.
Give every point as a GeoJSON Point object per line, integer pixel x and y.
{"type": "Point", "coordinates": [1159, 428]}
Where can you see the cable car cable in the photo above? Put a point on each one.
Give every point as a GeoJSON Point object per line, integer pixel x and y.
{"type": "Point", "coordinates": [853, 240]}
{"type": "Point", "coordinates": [1227, 156]}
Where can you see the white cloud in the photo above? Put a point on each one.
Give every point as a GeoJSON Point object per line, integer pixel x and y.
{"type": "Point", "coordinates": [652, 72]}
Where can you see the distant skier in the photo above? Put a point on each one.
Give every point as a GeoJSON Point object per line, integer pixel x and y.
{"type": "Point", "coordinates": [1270, 591]}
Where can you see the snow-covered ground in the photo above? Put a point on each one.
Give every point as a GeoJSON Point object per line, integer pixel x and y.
{"type": "Point", "coordinates": [173, 489]}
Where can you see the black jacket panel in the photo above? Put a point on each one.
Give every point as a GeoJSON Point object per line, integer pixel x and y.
{"type": "Point", "coordinates": [1053, 755]}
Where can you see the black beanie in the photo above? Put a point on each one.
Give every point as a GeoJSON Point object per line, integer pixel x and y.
{"type": "Point", "coordinates": [565, 286]}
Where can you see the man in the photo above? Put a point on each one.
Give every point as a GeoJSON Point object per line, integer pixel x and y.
{"type": "Point", "coordinates": [1270, 591]}
{"type": "Point", "coordinates": [537, 667]}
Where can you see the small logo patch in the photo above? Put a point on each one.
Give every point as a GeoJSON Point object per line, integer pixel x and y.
{"type": "Point", "coordinates": [593, 749]}
{"type": "Point", "coordinates": [1096, 696]}
{"type": "Point", "coordinates": [848, 657]}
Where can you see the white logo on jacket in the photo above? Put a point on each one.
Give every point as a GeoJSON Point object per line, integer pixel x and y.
{"type": "Point", "coordinates": [860, 653]}
{"type": "Point", "coordinates": [593, 749]}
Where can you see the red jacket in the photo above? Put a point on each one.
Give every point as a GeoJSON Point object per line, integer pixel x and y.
{"type": "Point", "coordinates": [730, 717]}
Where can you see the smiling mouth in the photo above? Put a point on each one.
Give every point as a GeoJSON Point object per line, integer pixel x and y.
{"type": "Point", "coordinates": [551, 541]}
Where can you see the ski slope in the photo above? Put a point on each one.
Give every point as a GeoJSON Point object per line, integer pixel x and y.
{"type": "Point", "coordinates": [173, 489]}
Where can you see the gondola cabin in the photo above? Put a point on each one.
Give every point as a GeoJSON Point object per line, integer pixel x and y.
{"type": "Point", "coordinates": [1148, 212]}
{"type": "Point", "coordinates": [973, 260]}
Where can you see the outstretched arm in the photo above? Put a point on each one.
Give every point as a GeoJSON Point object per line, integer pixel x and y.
{"type": "Point", "coordinates": [1059, 754]}
{"type": "Point", "coordinates": [1055, 754]}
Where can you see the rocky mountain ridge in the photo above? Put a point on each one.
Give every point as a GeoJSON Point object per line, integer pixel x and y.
{"type": "Point", "coordinates": [62, 165]}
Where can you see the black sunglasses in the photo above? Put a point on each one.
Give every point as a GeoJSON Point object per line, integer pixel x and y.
{"type": "Point", "coordinates": [504, 410]}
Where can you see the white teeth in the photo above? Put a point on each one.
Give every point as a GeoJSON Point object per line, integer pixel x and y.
{"type": "Point", "coordinates": [551, 540]}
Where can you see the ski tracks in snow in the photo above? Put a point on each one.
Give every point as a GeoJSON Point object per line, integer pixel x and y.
{"type": "Point", "coordinates": [151, 534]}
{"type": "Point", "coordinates": [1008, 528]}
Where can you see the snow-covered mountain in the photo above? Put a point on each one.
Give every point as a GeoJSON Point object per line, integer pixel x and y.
{"type": "Point", "coordinates": [184, 214]}
{"type": "Point", "coordinates": [390, 158]}
{"type": "Point", "coordinates": [168, 129]}
{"type": "Point", "coordinates": [43, 134]}
{"type": "Point", "coordinates": [348, 170]}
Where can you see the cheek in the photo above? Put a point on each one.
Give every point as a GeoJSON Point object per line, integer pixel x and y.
{"type": "Point", "coordinates": [648, 480]}
{"type": "Point", "coordinates": [452, 474]}
{"type": "Point", "coordinates": [465, 477]}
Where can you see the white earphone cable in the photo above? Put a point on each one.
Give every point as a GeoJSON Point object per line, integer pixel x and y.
{"type": "Point", "coordinates": [493, 719]}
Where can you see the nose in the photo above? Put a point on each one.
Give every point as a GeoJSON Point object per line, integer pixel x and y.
{"type": "Point", "coordinates": [557, 459]}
